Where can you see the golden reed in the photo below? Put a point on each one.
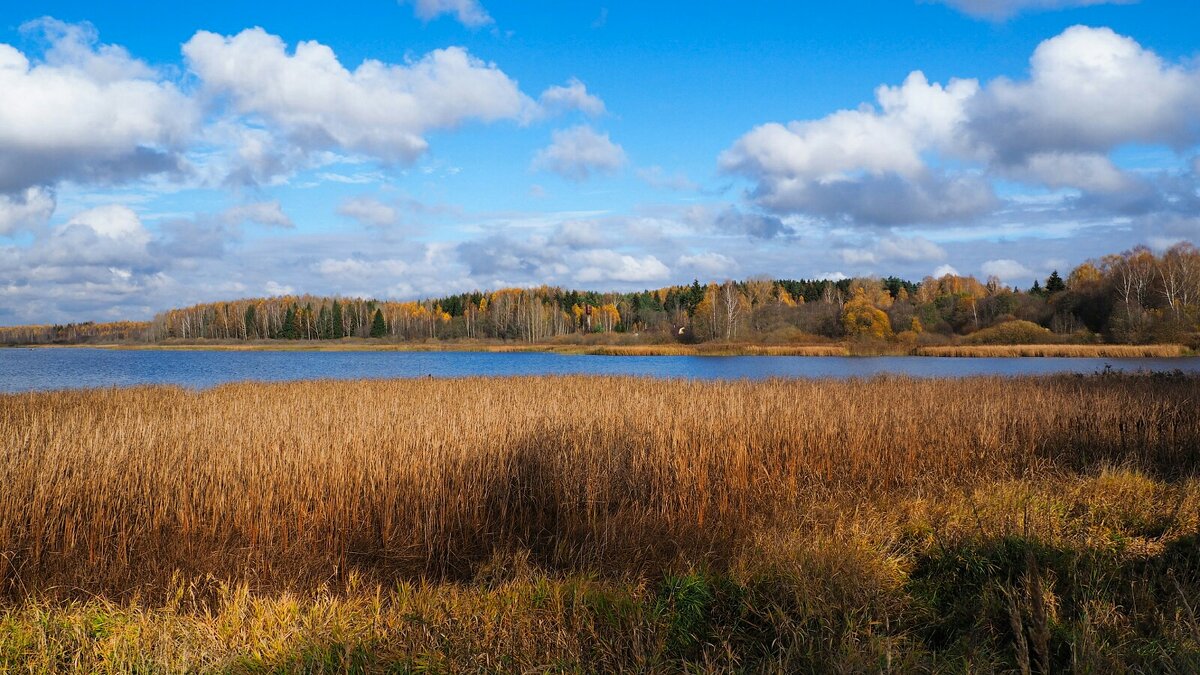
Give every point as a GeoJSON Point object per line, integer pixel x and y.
{"type": "Point", "coordinates": [285, 485]}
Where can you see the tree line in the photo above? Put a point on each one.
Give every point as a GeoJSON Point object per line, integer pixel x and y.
{"type": "Point", "coordinates": [1132, 297]}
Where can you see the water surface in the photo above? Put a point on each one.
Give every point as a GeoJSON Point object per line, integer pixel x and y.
{"type": "Point", "coordinates": [48, 369]}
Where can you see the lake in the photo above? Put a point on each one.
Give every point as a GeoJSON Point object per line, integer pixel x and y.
{"type": "Point", "coordinates": [48, 369]}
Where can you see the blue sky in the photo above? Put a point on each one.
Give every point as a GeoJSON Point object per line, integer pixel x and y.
{"type": "Point", "coordinates": [154, 155]}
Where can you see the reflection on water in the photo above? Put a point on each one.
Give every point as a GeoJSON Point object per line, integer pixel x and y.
{"type": "Point", "coordinates": [42, 369]}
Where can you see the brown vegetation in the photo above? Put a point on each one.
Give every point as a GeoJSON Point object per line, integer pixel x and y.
{"type": "Point", "coordinates": [603, 524]}
{"type": "Point", "coordinates": [1078, 351]}
{"type": "Point", "coordinates": [117, 490]}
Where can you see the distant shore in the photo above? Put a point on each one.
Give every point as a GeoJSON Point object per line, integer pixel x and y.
{"type": "Point", "coordinates": [678, 349]}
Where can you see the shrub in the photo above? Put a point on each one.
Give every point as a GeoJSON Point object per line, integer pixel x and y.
{"type": "Point", "coordinates": [1012, 333]}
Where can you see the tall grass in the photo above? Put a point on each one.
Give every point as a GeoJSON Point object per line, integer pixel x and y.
{"type": "Point", "coordinates": [284, 485]}
{"type": "Point", "coordinates": [1079, 351]}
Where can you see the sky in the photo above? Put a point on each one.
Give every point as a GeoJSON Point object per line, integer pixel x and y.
{"type": "Point", "coordinates": [156, 155]}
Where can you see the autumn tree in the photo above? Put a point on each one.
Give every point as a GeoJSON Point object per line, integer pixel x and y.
{"type": "Point", "coordinates": [863, 319]}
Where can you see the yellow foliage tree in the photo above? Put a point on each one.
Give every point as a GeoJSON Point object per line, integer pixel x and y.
{"type": "Point", "coordinates": [863, 319]}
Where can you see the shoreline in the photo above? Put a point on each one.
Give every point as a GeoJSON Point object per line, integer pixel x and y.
{"type": "Point", "coordinates": [718, 349]}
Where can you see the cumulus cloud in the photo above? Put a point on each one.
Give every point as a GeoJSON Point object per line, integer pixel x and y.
{"type": "Point", "coordinates": [261, 213]}
{"type": "Point", "coordinates": [867, 165]}
{"type": "Point", "coordinates": [928, 153]}
{"type": "Point", "coordinates": [369, 211]}
{"type": "Point", "coordinates": [708, 265]}
{"type": "Point", "coordinates": [607, 265]}
{"type": "Point", "coordinates": [894, 249]}
{"type": "Point", "coordinates": [943, 270]}
{"type": "Point", "coordinates": [379, 110]}
{"type": "Point", "coordinates": [468, 12]}
{"type": "Point", "coordinates": [998, 10]}
{"type": "Point", "coordinates": [571, 96]}
{"type": "Point", "coordinates": [1089, 90]}
{"type": "Point", "coordinates": [25, 210]}
{"type": "Point", "coordinates": [579, 152]}
{"type": "Point", "coordinates": [657, 178]}
{"type": "Point", "coordinates": [498, 256]}
{"type": "Point", "coordinates": [578, 234]}
{"type": "Point", "coordinates": [731, 220]}
{"type": "Point", "coordinates": [87, 112]}
{"type": "Point", "coordinates": [1009, 271]}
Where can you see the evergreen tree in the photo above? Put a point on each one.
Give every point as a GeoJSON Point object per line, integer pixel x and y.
{"type": "Point", "coordinates": [251, 327]}
{"type": "Point", "coordinates": [336, 318]}
{"type": "Point", "coordinates": [378, 325]}
{"type": "Point", "coordinates": [324, 325]}
{"type": "Point", "coordinates": [290, 331]}
{"type": "Point", "coordinates": [1055, 284]}
{"type": "Point", "coordinates": [1036, 289]}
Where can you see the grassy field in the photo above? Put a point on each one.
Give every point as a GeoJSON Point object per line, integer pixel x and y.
{"type": "Point", "coordinates": [599, 524]}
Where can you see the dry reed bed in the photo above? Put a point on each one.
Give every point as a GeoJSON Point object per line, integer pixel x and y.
{"type": "Point", "coordinates": [285, 485]}
{"type": "Point", "coordinates": [717, 350]}
{"type": "Point", "coordinates": [1078, 351]}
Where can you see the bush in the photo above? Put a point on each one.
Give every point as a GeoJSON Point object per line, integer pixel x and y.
{"type": "Point", "coordinates": [1012, 333]}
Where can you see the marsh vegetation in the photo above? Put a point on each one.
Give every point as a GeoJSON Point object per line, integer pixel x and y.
{"type": "Point", "coordinates": [587, 523]}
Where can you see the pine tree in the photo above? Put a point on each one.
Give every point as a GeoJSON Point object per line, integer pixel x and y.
{"type": "Point", "coordinates": [1036, 289]}
{"type": "Point", "coordinates": [324, 325]}
{"type": "Point", "coordinates": [336, 318]}
{"type": "Point", "coordinates": [378, 325]}
{"type": "Point", "coordinates": [1055, 284]}
{"type": "Point", "coordinates": [251, 326]}
{"type": "Point", "coordinates": [290, 332]}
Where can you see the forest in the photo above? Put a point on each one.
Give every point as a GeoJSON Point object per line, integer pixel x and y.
{"type": "Point", "coordinates": [1134, 297]}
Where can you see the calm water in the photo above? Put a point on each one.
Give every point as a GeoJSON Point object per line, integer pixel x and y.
{"type": "Point", "coordinates": [42, 369]}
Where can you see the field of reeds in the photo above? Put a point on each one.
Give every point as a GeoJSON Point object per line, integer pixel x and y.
{"type": "Point", "coordinates": [1077, 351]}
{"type": "Point", "coordinates": [601, 524]}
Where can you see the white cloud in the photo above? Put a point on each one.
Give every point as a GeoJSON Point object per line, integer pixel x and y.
{"type": "Point", "coordinates": [1089, 90]}
{"type": "Point", "coordinates": [912, 118]}
{"type": "Point", "coordinates": [571, 96]}
{"type": "Point", "coordinates": [578, 152]}
{"type": "Point", "coordinates": [272, 288]}
{"type": "Point", "coordinates": [927, 153]}
{"type": "Point", "coordinates": [657, 178]}
{"type": "Point", "coordinates": [894, 249]}
{"type": "Point", "coordinates": [369, 211]}
{"type": "Point", "coordinates": [998, 10]}
{"type": "Point", "coordinates": [1009, 271]}
{"type": "Point", "coordinates": [943, 270]}
{"type": "Point", "coordinates": [830, 276]}
{"type": "Point", "coordinates": [28, 209]}
{"type": "Point", "coordinates": [468, 12]}
{"type": "Point", "coordinates": [262, 213]}
{"type": "Point", "coordinates": [113, 221]}
{"type": "Point", "coordinates": [727, 219]}
{"type": "Point", "coordinates": [867, 165]}
{"type": "Point", "coordinates": [607, 265]}
{"type": "Point", "coordinates": [378, 109]}
{"type": "Point", "coordinates": [578, 234]}
{"type": "Point", "coordinates": [913, 249]}
{"type": "Point", "coordinates": [359, 268]}
{"type": "Point", "coordinates": [709, 265]}
{"type": "Point", "coordinates": [87, 112]}
{"type": "Point", "coordinates": [1092, 172]}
